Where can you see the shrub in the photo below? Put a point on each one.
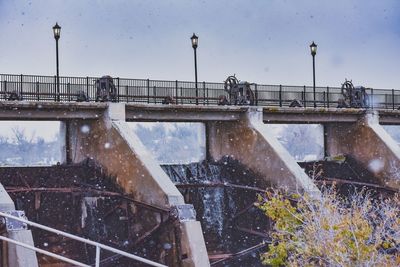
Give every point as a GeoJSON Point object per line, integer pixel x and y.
{"type": "Point", "coordinates": [332, 231]}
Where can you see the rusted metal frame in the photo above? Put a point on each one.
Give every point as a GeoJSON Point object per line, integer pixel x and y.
{"type": "Point", "coordinates": [112, 209]}
{"type": "Point", "coordinates": [251, 231]}
{"type": "Point", "coordinates": [199, 185]}
{"type": "Point", "coordinates": [161, 211]}
{"type": "Point", "coordinates": [354, 172]}
{"type": "Point", "coordinates": [141, 239]}
{"type": "Point", "coordinates": [246, 230]}
{"type": "Point", "coordinates": [227, 257]}
{"type": "Point", "coordinates": [344, 181]}
{"type": "Point", "coordinates": [219, 184]}
{"type": "Point", "coordinates": [85, 190]}
{"type": "Point", "coordinates": [243, 211]}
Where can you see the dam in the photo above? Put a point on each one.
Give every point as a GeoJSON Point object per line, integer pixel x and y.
{"type": "Point", "coordinates": [109, 189]}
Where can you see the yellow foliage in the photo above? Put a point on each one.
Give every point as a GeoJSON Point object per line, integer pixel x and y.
{"type": "Point", "coordinates": [330, 231]}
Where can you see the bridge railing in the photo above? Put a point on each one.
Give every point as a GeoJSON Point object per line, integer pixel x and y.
{"type": "Point", "coordinates": [44, 88]}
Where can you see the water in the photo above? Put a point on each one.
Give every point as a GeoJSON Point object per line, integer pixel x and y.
{"type": "Point", "coordinates": [225, 211]}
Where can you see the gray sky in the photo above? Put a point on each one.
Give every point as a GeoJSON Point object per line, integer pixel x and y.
{"type": "Point", "coordinates": [263, 41]}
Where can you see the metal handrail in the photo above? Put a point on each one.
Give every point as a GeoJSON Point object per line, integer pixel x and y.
{"type": "Point", "coordinates": [43, 88]}
{"type": "Point", "coordinates": [77, 263]}
{"type": "Point", "coordinates": [74, 237]}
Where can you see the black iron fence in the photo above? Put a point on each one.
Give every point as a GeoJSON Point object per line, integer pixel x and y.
{"type": "Point", "coordinates": [44, 88]}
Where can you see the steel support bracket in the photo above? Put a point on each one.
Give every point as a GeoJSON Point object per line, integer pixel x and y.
{"type": "Point", "coordinates": [184, 212]}
{"type": "Point", "coordinates": [8, 224]}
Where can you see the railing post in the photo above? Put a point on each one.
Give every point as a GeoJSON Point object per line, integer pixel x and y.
{"type": "Point", "coordinates": [393, 99]}
{"type": "Point", "coordinates": [208, 100]}
{"type": "Point", "coordinates": [87, 87]}
{"type": "Point", "coordinates": [5, 89]}
{"type": "Point", "coordinates": [155, 94]}
{"type": "Point", "coordinates": [148, 91]}
{"type": "Point", "coordinates": [305, 96]}
{"type": "Point", "coordinates": [126, 93]}
{"type": "Point", "coordinates": [327, 96]}
{"type": "Point", "coordinates": [280, 95]}
{"type": "Point", "coordinates": [55, 88]}
{"type": "Point", "coordinates": [204, 92]}
{"type": "Point", "coordinates": [21, 86]}
{"type": "Point", "coordinates": [324, 95]}
{"type": "Point", "coordinates": [372, 98]}
{"type": "Point", "coordinates": [256, 94]}
{"type": "Point", "coordinates": [69, 91]}
{"type": "Point", "coordinates": [97, 256]}
{"type": "Point", "coordinates": [176, 91]}
{"type": "Point", "coordinates": [37, 91]}
{"type": "Point", "coordinates": [181, 94]}
{"type": "Point", "coordinates": [118, 89]}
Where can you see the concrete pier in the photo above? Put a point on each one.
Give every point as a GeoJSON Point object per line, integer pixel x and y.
{"type": "Point", "coordinates": [367, 142]}
{"type": "Point", "coordinates": [16, 256]}
{"type": "Point", "coordinates": [250, 142]}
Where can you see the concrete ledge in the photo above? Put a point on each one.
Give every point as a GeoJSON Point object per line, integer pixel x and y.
{"type": "Point", "coordinates": [310, 115]}
{"type": "Point", "coordinates": [33, 110]}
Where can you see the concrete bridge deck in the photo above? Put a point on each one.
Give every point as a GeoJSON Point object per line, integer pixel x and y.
{"type": "Point", "coordinates": [26, 110]}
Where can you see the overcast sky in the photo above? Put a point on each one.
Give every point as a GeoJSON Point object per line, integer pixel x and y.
{"type": "Point", "coordinates": [263, 41]}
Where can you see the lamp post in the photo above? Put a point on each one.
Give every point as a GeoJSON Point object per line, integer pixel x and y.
{"type": "Point", "coordinates": [313, 48]}
{"type": "Point", "coordinates": [195, 42]}
{"type": "Point", "coordinates": [57, 31]}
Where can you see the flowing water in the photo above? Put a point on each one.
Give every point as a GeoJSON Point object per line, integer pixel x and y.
{"type": "Point", "coordinates": [223, 194]}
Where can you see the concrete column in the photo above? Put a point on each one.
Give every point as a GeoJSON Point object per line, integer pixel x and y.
{"type": "Point", "coordinates": [192, 245]}
{"type": "Point", "coordinates": [251, 143]}
{"type": "Point", "coordinates": [111, 142]}
{"type": "Point", "coordinates": [17, 256]}
{"type": "Point", "coordinates": [368, 143]}
{"type": "Point", "coordinates": [6, 203]}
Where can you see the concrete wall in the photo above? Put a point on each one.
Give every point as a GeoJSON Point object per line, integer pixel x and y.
{"type": "Point", "coordinates": [16, 256]}
{"type": "Point", "coordinates": [369, 144]}
{"type": "Point", "coordinates": [251, 143]}
{"type": "Point", "coordinates": [110, 142]}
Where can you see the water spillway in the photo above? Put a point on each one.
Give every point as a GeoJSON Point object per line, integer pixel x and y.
{"type": "Point", "coordinates": [223, 194]}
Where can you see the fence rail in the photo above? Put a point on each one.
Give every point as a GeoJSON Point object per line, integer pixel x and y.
{"type": "Point", "coordinates": [77, 238]}
{"type": "Point", "coordinates": [44, 88]}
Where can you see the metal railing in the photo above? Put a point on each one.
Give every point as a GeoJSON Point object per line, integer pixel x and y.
{"type": "Point", "coordinates": [44, 88]}
{"type": "Point", "coordinates": [77, 238]}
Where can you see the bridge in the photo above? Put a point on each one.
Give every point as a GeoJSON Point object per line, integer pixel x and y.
{"type": "Point", "coordinates": [46, 88]}
{"type": "Point", "coordinates": [235, 131]}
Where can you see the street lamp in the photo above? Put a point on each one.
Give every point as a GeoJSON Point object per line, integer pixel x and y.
{"type": "Point", "coordinates": [195, 42]}
{"type": "Point", "coordinates": [57, 31]}
{"type": "Point", "coordinates": [313, 48]}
